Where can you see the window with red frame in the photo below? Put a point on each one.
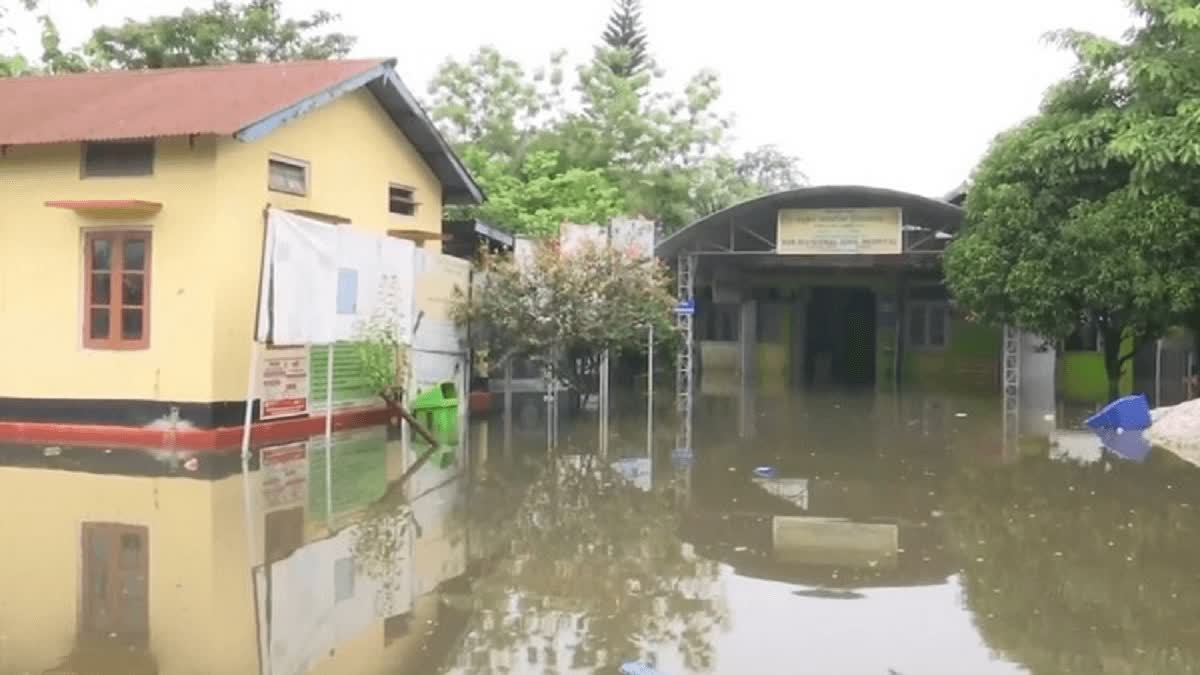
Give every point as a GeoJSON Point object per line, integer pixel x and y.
{"type": "Point", "coordinates": [117, 290]}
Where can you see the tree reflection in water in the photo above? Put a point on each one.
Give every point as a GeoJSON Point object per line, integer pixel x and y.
{"type": "Point", "coordinates": [590, 573]}
{"type": "Point", "coordinates": [1075, 568]}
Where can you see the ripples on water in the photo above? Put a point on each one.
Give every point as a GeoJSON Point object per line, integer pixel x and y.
{"type": "Point", "coordinates": [897, 534]}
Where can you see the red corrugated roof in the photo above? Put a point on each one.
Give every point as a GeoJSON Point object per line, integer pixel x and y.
{"type": "Point", "coordinates": [153, 103]}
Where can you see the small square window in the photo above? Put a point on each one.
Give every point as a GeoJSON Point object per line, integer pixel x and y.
{"type": "Point", "coordinates": [347, 291]}
{"type": "Point", "coordinates": [288, 175]}
{"type": "Point", "coordinates": [113, 159]}
{"type": "Point", "coordinates": [402, 200]}
{"type": "Point", "coordinates": [343, 579]}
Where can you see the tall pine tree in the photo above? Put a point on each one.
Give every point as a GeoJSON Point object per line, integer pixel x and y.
{"type": "Point", "coordinates": [626, 39]}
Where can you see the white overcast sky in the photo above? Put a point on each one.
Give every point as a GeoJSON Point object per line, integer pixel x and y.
{"type": "Point", "coordinates": [903, 94]}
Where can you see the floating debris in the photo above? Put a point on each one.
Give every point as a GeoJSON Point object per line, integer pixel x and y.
{"type": "Point", "coordinates": [638, 668]}
{"type": "Point", "coordinates": [828, 594]}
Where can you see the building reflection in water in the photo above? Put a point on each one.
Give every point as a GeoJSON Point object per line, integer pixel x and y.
{"type": "Point", "coordinates": [136, 562]}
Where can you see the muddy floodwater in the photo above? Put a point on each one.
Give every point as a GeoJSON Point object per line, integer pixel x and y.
{"type": "Point", "coordinates": [842, 533]}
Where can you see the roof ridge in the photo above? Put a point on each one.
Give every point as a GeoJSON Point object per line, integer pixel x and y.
{"type": "Point", "coordinates": [150, 72]}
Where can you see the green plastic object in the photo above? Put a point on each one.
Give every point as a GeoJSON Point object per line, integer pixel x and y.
{"type": "Point", "coordinates": [443, 458]}
{"type": "Point", "coordinates": [437, 409]}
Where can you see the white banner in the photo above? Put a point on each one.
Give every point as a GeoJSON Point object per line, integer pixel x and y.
{"type": "Point", "coordinates": [572, 237]}
{"type": "Point", "coordinates": [633, 236]}
{"type": "Point", "coordinates": [523, 251]}
{"type": "Point", "coordinates": [320, 597]}
{"type": "Point", "coordinates": [321, 282]}
{"type": "Point", "coordinates": [439, 279]}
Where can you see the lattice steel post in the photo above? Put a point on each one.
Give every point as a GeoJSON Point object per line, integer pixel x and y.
{"type": "Point", "coordinates": [1011, 384]}
{"type": "Point", "coordinates": [685, 369]}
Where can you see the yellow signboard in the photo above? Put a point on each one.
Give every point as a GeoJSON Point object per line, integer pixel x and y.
{"type": "Point", "coordinates": [839, 231]}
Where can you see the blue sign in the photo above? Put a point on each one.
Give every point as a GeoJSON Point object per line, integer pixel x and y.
{"type": "Point", "coordinates": [686, 307]}
{"type": "Point", "coordinates": [681, 457]}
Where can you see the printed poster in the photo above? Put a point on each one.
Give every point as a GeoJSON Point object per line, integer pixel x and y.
{"type": "Point", "coordinates": [284, 382]}
{"type": "Point", "coordinates": [284, 475]}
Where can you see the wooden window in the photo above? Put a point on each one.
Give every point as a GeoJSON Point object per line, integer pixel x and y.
{"type": "Point", "coordinates": [928, 324]}
{"type": "Point", "coordinates": [117, 290]}
{"type": "Point", "coordinates": [288, 175]}
{"type": "Point", "coordinates": [122, 158]}
{"type": "Point", "coordinates": [402, 200]}
{"type": "Point", "coordinates": [115, 597]}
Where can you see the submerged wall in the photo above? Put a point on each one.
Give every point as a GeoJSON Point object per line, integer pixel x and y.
{"type": "Point", "coordinates": [971, 359]}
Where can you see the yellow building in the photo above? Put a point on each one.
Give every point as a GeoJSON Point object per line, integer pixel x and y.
{"type": "Point", "coordinates": [131, 233]}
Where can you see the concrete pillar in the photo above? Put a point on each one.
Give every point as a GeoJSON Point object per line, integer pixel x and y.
{"type": "Point", "coordinates": [799, 346]}
{"type": "Point", "coordinates": [1037, 401]}
{"type": "Point", "coordinates": [748, 341]}
{"type": "Point", "coordinates": [747, 367]}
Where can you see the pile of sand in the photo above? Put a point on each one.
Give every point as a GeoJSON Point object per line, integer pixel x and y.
{"type": "Point", "coordinates": [1178, 429]}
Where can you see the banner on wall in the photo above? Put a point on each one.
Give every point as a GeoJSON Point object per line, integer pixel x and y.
{"type": "Point", "coordinates": [573, 237]}
{"type": "Point", "coordinates": [634, 236]}
{"type": "Point", "coordinates": [283, 382]}
{"type": "Point", "coordinates": [524, 251]}
{"type": "Point", "coordinates": [840, 231]}
{"type": "Point", "coordinates": [320, 282]}
{"type": "Point", "coordinates": [439, 281]}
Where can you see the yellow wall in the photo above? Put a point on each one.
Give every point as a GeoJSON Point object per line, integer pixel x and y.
{"type": "Point", "coordinates": [42, 561]}
{"type": "Point", "coordinates": [41, 276]}
{"type": "Point", "coordinates": [354, 150]}
{"type": "Point", "coordinates": [206, 250]}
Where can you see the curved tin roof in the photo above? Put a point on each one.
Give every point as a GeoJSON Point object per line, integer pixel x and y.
{"type": "Point", "coordinates": [760, 215]}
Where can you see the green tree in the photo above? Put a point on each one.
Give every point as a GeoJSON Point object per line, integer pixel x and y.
{"type": "Point", "coordinates": [666, 153]}
{"type": "Point", "coordinates": [534, 197]}
{"type": "Point", "coordinates": [767, 169]}
{"type": "Point", "coordinates": [627, 53]}
{"type": "Point", "coordinates": [227, 32]}
{"type": "Point", "coordinates": [1088, 212]}
{"type": "Point", "coordinates": [53, 58]}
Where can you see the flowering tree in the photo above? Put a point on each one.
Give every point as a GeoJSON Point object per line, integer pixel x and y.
{"type": "Point", "coordinates": [567, 309]}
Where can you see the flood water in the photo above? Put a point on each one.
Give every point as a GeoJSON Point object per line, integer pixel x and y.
{"type": "Point", "coordinates": [842, 533]}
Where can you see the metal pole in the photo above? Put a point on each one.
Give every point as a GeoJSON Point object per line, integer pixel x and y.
{"type": "Point", "coordinates": [1191, 366]}
{"type": "Point", "coordinates": [1158, 355]}
{"type": "Point", "coordinates": [604, 403]}
{"type": "Point", "coordinates": [247, 496]}
{"type": "Point", "coordinates": [508, 406]}
{"type": "Point", "coordinates": [650, 392]}
{"type": "Point", "coordinates": [549, 397]}
{"type": "Point", "coordinates": [329, 436]}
